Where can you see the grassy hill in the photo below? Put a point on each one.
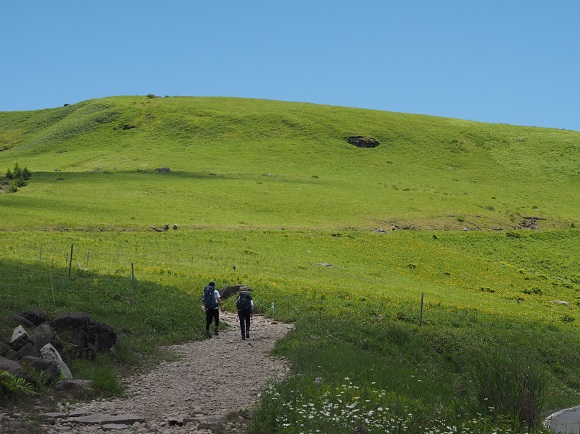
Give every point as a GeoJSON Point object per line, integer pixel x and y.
{"type": "Point", "coordinates": [241, 162]}
{"type": "Point", "coordinates": [272, 195]}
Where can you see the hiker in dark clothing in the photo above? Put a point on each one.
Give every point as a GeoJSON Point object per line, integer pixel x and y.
{"type": "Point", "coordinates": [212, 303]}
{"type": "Point", "coordinates": [245, 306]}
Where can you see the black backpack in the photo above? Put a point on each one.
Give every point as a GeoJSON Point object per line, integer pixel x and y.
{"type": "Point", "coordinates": [209, 299]}
{"type": "Point", "coordinates": [244, 301]}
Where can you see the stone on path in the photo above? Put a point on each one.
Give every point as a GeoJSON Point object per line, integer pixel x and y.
{"type": "Point", "coordinates": [101, 419]}
{"type": "Point", "coordinates": [114, 426]}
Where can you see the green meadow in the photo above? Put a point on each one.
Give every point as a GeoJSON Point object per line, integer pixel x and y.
{"type": "Point", "coordinates": [433, 280]}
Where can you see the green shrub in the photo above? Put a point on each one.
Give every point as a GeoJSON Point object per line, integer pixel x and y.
{"type": "Point", "coordinates": [10, 384]}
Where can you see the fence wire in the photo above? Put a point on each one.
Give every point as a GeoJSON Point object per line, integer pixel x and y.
{"type": "Point", "coordinates": [47, 274]}
{"type": "Point", "coordinates": [44, 275]}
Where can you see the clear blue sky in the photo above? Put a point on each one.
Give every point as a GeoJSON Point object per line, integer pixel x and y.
{"type": "Point", "coordinates": [500, 61]}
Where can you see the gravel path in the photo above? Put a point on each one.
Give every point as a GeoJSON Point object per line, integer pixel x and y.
{"type": "Point", "coordinates": [214, 378]}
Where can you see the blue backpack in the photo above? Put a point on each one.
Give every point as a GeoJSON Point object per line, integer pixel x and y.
{"type": "Point", "coordinates": [209, 299]}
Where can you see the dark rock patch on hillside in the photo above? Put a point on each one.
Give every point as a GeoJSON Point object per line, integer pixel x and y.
{"type": "Point", "coordinates": [363, 141]}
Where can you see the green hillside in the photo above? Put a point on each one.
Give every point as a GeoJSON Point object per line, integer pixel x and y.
{"type": "Point", "coordinates": [237, 162]}
{"type": "Point", "coordinates": [440, 329]}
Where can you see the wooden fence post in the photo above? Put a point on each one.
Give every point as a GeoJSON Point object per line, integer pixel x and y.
{"type": "Point", "coordinates": [70, 260]}
{"type": "Point", "coordinates": [421, 313]}
{"type": "Point", "coordinates": [133, 281]}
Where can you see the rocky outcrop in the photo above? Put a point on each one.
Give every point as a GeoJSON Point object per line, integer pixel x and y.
{"type": "Point", "coordinates": [34, 350]}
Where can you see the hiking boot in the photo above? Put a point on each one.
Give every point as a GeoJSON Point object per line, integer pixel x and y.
{"type": "Point", "coordinates": [248, 335]}
{"type": "Point", "coordinates": [243, 337]}
{"type": "Point", "coordinates": [216, 332]}
{"type": "Point", "coordinates": [207, 334]}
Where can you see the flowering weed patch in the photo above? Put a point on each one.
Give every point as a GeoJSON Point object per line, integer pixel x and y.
{"type": "Point", "coordinates": [349, 408]}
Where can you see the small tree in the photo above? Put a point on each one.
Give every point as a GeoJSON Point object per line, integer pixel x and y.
{"type": "Point", "coordinates": [26, 174]}
{"type": "Point", "coordinates": [17, 171]}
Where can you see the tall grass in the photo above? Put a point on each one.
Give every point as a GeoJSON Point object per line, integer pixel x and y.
{"type": "Point", "coordinates": [507, 386]}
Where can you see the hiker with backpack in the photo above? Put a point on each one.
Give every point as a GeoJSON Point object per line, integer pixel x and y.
{"type": "Point", "coordinates": [245, 306]}
{"type": "Point", "coordinates": [212, 303]}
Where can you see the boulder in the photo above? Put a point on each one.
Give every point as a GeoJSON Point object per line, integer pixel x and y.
{"type": "Point", "coordinates": [36, 316]}
{"type": "Point", "coordinates": [19, 338]}
{"type": "Point", "coordinates": [74, 387]}
{"type": "Point", "coordinates": [42, 335]}
{"type": "Point", "coordinates": [22, 321]}
{"type": "Point", "coordinates": [11, 366]}
{"type": "Point", "coordinates": [48, 352]}
{"type": "Point", "coordinates": [102, 336]}
{"type": "Point", "coordinates": [47, 370]}
{"type": "Point", "coordinates": [5, 350]}
{"type": "Point", "coordinates": [26, 350]}
{"type": "Point", "coordinates": [73, 328]}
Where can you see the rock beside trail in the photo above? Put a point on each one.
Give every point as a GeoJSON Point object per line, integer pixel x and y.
{"type": "Point", "coordinates": [34, 349]}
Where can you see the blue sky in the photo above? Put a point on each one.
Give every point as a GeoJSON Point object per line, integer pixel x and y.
{"type": "Point", "coordinates": [500, 61]}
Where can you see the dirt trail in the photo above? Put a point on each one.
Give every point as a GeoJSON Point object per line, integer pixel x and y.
{"type": "Point", "coordinates": [214, 378]}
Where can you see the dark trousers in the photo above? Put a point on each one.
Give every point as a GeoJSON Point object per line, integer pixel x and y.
{"type": "Point", "coordinates": [211, 314]}
{"type": "Point", "coordinates": [244, 321]}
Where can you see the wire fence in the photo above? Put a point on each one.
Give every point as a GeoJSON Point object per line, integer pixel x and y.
{"type": "Point", "coordinates": [46, 274]}
{"type": "Point", "coordinates": [145, 287]}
